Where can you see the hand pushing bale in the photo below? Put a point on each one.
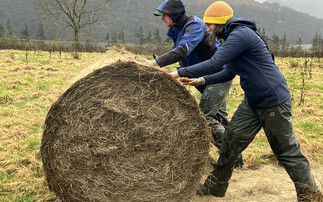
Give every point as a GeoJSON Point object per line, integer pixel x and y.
{"type": "Point", "coordinates": [125, 132]}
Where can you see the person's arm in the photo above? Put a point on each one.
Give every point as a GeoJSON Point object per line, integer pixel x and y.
{"type": "Point", "coordinates": [194, 34]}
{"type": "Point", "coordinates": [236, 43]}
{"type": "Point", "coordinates": [219, 77]}
{"type": "Point", "coordinates": [198, 70]}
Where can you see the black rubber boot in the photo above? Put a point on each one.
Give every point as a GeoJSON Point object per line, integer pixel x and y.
{"type": "Point", "coordinates": [307, 193]}
{"type": "Point", "coordinates": [217, 138]}
{"type": "Point", "coordinates": [213, 187]}
{"type": "Point", "coordinates": [239, 163]}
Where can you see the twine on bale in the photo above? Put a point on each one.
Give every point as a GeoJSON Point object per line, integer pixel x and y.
{"type": "Point", "coordinates": [125, 132]}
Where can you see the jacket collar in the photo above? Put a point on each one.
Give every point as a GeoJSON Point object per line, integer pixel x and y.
{"type": "Point", "coordinates": [234, 22]}
{"type": "Point", "coordinates": [181, 21]}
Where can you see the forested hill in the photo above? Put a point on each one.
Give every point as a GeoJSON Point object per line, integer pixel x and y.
{"type": "Point", "coordinates": [311, 7]}
{"type": "Point", "coordinates": [129, 15]}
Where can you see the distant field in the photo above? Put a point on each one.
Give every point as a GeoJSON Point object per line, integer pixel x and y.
{"type": "Point", "coordinates": [30, 82]}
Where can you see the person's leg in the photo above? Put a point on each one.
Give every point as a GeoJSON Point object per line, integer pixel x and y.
{"type": "Point", "coordinates": [278, 127]}
{"type": "Point", "coordinates": [238, 135]}
{"type": "Point", "coordinates": [222, 114]}
{"type": "Point", "coordinates": [214, 107]}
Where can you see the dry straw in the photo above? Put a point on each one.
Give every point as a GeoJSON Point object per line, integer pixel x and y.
{"type": "Point", "coordinates": [125, 132]}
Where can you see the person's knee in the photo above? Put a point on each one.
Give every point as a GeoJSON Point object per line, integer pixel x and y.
{"type": "Point", "coordinates": [217, 134]}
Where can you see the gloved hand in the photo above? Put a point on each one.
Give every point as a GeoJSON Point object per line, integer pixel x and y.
{"type": "Point", "coordinates": [192, 82]}
{"type": "Point", "coordinates": [174, 74]}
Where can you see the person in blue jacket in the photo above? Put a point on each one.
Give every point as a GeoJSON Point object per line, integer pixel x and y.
{"type": "Point", "coordinates": [192, 45]}
{"type": "Point", "coordinates": [267, 102]}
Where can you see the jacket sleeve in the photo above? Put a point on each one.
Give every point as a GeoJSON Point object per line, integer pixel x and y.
{"type": "Point", "coordinates": [219, 77]}
{"type": "Point", "coordinates": [192, 36]}
{"type": "Point", "coordinates": [233, 47]}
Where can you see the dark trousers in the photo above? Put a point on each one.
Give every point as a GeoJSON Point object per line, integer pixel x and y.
{"type": "Point", "coordinates": [214, 107]}
{"type": "Point", "coordinates": [278, 127]}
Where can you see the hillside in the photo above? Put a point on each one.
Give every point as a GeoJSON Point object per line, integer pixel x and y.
{"type": "Point", "coordinates": [130, 15]}
{"type": "Point", "coordinates": [311, 7]}
{"type": "Point", "coordinates": [282, 19]}
{"type": "Point", "coordinates": [18, 12]}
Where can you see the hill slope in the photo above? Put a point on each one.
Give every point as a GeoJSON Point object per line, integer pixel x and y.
{"type": "Point", "coordinates": [129, 15]}
{"type": "Point", "coordinates": [311, 7]}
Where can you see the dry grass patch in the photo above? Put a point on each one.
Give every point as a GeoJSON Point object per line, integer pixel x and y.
{"type": "Point", "coordinates": [27, 94]}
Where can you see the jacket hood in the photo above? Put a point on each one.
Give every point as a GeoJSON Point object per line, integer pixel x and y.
{"type": "Point", "coordinates": [234, 22]}
{"type": "Point", "coordinates": [173, 8]}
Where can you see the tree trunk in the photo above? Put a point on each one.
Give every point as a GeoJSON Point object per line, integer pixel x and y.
{"type": "Point", "coordinates": [76, 41]}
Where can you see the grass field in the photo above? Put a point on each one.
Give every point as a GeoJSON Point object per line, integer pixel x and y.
{"type": "Point", "coordinates": [31, 82]}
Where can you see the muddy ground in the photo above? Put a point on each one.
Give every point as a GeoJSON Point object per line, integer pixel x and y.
{"type": "Point", "coordinates": [266, 183]}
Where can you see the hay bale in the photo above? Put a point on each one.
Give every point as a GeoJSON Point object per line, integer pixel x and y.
{"type": "Point", "coordinates": [125, 132]}
{"type": "Point", "coordinates": [109, 58]}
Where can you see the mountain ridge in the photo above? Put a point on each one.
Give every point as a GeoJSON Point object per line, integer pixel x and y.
{"type": "Point", "coordinates": [311, 7]}
{"type": "Point", "coordinates": [130, 15]}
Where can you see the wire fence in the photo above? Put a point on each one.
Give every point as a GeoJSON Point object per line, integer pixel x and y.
{"type": "Point", "coordinates": [146, 49]}
{"type": "Point", "coordinates": [69, 46]}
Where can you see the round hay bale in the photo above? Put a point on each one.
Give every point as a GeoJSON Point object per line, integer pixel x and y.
{"type": "Point", "coordinates": [125, 132]}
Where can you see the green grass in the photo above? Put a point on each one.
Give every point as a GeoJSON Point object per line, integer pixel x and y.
{"type": "Point", "coordinates": [26, 93]}
{"type": "Point", "coordinates": [28, 90]}
{"type": "Point", "coordinates": [310, 127]}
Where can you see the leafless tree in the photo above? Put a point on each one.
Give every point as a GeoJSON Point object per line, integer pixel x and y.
{"type": "Point", "coordinates": [76, 14]}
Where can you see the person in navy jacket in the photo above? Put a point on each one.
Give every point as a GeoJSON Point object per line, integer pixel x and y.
{"type": "Point", "coordinates": [267, 102]}
{"type": "Point", "coordinates": [192, 45]}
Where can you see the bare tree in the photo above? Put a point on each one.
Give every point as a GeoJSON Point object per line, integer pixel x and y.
{"type": "Point", "coordinates": [76, 14]}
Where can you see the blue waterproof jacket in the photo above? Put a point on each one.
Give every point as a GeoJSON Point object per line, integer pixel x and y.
{"type": "Point", "coordinates": [190, 45]}
{"type": "Point", "coordinates": [247, 55]}
{"type": "Point", "coordinates": [190, 37]}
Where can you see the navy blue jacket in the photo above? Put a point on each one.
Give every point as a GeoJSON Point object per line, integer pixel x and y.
{"type": "Point", "coordinates": [245, 54]}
